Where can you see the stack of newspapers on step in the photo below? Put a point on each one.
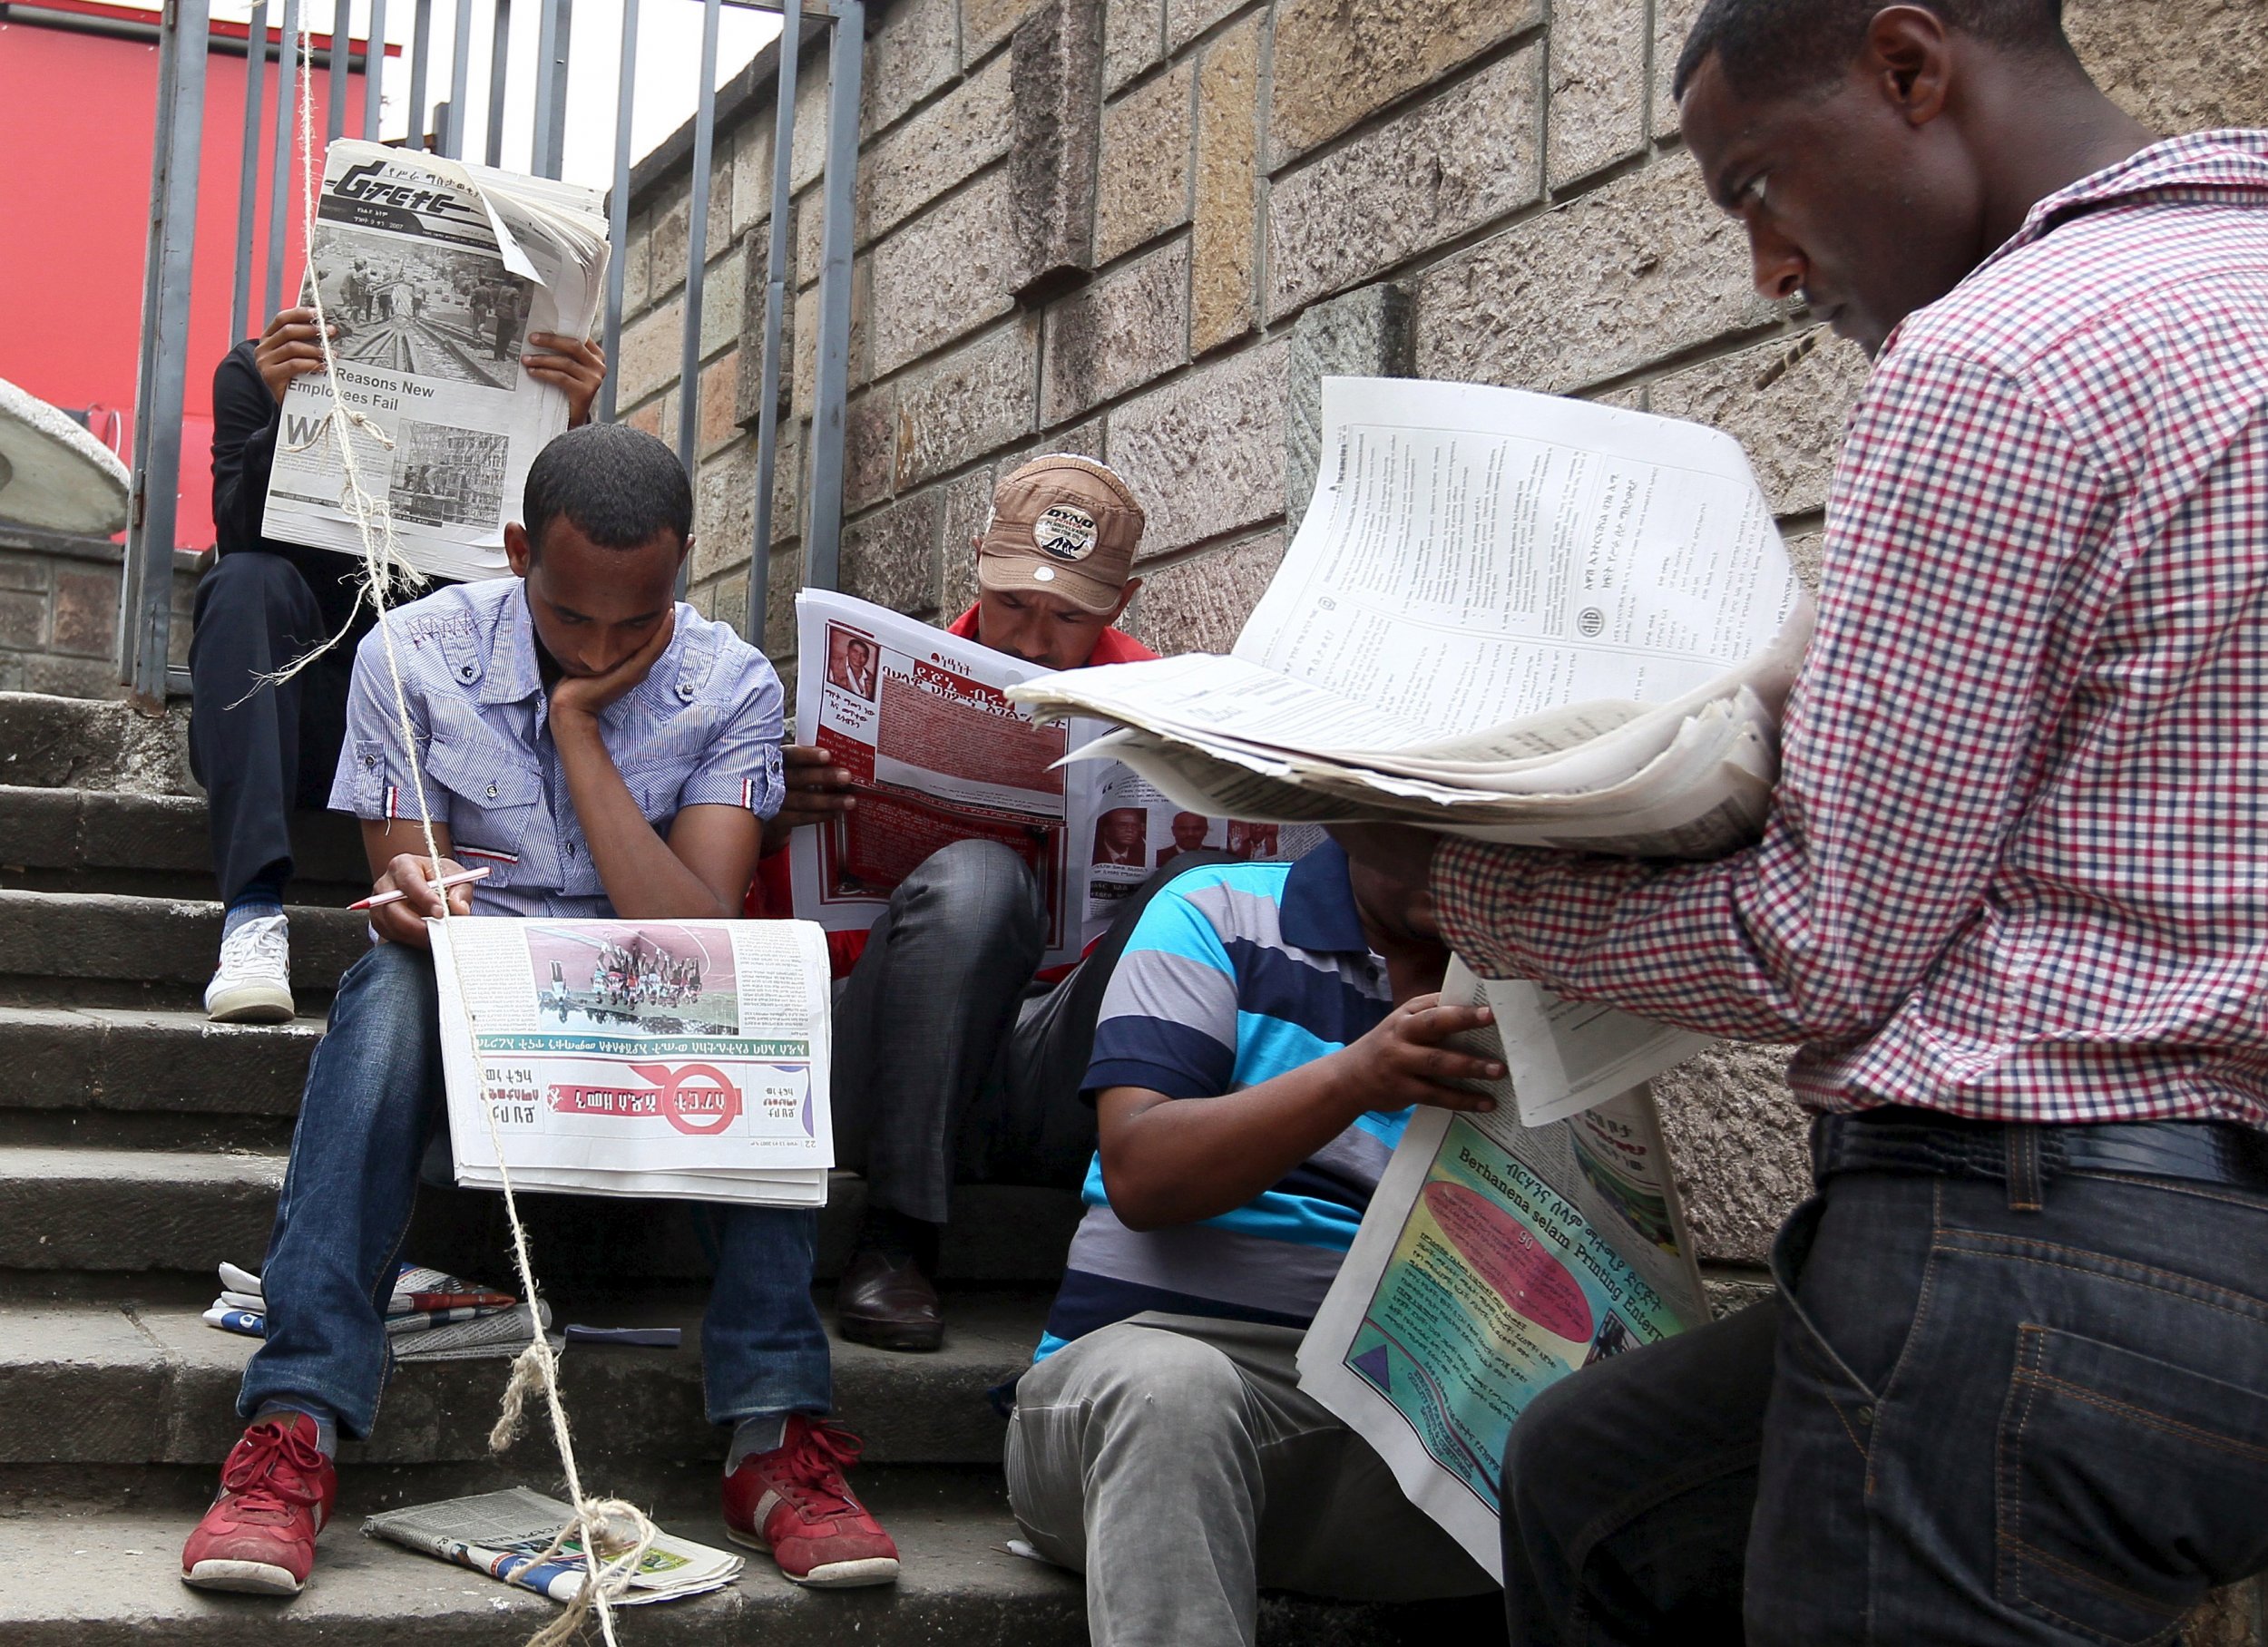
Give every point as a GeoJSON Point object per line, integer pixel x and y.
{"type": "Point", "coordinates": [681, 1059]}
{"type": "Point", "coordinates": [430, 1315]}
{"type": "Point", "coordinates": [1506, 616]}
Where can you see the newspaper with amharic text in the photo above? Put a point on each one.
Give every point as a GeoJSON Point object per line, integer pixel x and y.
{"type": "Point", "coordinates": [684, 1059]}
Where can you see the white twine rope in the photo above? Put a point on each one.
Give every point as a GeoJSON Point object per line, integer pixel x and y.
{"type": "Point", "coordinates": [614, 1534]}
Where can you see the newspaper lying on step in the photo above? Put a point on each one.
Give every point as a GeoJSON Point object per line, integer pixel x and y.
{"type": "Point", "coordinates": [1495, 1259]}
{"type": "Point", "coordinates": [434, 271]}
{"type": "Point", "coordinates": [937, 754]}
{"type": "Point", "coordinates": [682, 1059]}
{"type": "Point", "coordinates": [1509, 616]}
{"type": "Point", "coordinates": [503, 1533]}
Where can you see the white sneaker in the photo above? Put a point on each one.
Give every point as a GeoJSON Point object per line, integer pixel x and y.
{"type": "Point", "coordinates": [253, 983]}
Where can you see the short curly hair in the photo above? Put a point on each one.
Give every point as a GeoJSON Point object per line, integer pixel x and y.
{"type": "Point", "coordinates": [1768, 48]}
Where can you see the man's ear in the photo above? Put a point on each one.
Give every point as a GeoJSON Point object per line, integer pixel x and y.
{"type": "Point", "coordinates": [1133, 588]}
{"type": "Point", "coordinates": [518, 549]}
{"type": "Point", "coordinates": [1910, 58]}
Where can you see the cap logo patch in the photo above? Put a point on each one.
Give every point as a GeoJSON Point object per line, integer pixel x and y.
{"type": "Point", "coordinates": [1064, 531]}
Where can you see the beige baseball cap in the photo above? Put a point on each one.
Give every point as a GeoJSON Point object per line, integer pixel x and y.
{"type": "Point", "coordinates": [1062, 525]}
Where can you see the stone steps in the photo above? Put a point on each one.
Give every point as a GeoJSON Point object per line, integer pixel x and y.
{"type": "Point", "coordinates": [110, 1384]}
{"type": "Point", "coordinates": [125, 1212]}
{"type": "Point", "coordinates": [110, 1579]}
{"type": "Point", "coordinates": [90, 841]}
{"type": "Point", "coordinates": [111, 949]}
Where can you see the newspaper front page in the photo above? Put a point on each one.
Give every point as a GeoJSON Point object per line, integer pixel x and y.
{"type": "Point", "coordinates": [683, 1059]}
{"type": "Point", "coordinates": [936, 754]}
{"type": "Point", "coordinates": [434, 273]}
{"type": "Point", "coordinates": [1494, 1259]}
{"type": "Point", "coordinates": [503, 1533]}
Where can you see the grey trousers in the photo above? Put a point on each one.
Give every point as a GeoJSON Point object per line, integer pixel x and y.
{"type": "Point", "coordinates": [951, 1065]}
{"type": "Point", "coordinates": [1174, 1461]}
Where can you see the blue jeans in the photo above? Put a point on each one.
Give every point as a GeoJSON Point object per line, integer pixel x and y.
{"type": "Point", "coordinates": [1958, 1423]}
{"type": "Point", "coordinates": [373, 1097]}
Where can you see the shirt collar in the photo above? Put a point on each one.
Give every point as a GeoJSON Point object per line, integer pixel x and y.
{"type": "Point", "coordinates": [512, 674]}
{"type": "Point", "coordinates": [1318, 910]}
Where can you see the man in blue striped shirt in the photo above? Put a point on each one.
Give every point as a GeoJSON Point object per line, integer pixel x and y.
{"type": "Point", "coordinates": [1264, 1035]}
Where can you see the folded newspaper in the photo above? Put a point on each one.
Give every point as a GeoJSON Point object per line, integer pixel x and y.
{"type": "Point", "coordinates": [937, 754]}
{"type": "Point", "coordinates": [431, 1316]}
{"type": "Point", "coordinates": [503, 1533]}
{"type": "Point", "coordinates": [1509, 616]}
{"type": "Point", "coordinates": [1506, 616]}
{"type": "Point", "coordinates": [681, 1059]}
{"type": "Point", "coordinates": [435, 272]}
{"type": "Point", "coordinates": [1494, 1259]}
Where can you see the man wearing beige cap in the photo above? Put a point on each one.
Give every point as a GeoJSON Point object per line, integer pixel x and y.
{"type": "Point", "coordinates": [953, 1063]}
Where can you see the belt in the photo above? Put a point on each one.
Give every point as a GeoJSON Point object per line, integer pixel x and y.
{"type": "Point", "coordinates": [1899, 1139]}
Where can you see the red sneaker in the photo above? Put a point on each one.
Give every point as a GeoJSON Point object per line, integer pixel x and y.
{"type": "Point", "coordinates": [277, 1490]}
{"type": "Point", "coordinates": [793, 1503]}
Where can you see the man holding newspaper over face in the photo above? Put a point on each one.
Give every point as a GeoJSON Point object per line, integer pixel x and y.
{"type": "Point", "coordinates": [953, 1063]}
{"type": "Point", "coordinates": [261, 745]}
{"type": "Point", "coordinates": [600, 750]}
{"type": "Point", "coordinates": [2014, 1385]}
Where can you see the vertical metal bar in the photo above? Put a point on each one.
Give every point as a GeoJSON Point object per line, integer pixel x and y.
{"type": "Point", "coordinates": [279, 179]}
{"type": "Point", "coordinates": [420, 51]}
{"type": "Point", "coordinates": [844, 61]}
{"type": "Point", "coordinates": [373, 71]}
{"type": "Point", "coordinates": [248, 185]}
{"type": "Point", "coordinates": [146, 591]}
{"type": "Point", "coordinates": [618, 209]}
{"type": "Point", "coordinates": [460, 67]}
{"type": "Point", "coordinates": [499, 61]}
{"type": "Point", "coordinates": [775, 315]}
{"type": "Point", "coordinates": [342, 47]}
{"type": "Point", "coordinates": [697, 241]}
{"type": "Point", "coordinates": [551, 37]}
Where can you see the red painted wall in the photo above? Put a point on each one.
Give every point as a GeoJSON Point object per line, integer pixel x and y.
{"type": "Point", "coordinates": [77, 121]}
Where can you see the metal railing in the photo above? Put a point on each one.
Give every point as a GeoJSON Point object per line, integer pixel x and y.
{"type": "Point", "coordinates": [145, 607]}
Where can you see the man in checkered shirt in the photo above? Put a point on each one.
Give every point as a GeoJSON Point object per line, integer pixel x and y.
{"type": "Point", "coordinates": [2008, 907]}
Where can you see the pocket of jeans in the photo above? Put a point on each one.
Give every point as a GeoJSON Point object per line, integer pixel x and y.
{"type": "Point", "coordinates": [2127, 1486]}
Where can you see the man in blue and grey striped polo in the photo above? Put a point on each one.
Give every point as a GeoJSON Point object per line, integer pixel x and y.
{"type": "Point", "coordinates": [1265, 1034]}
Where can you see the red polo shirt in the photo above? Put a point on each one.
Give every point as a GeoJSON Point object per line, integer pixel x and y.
{"type": "Point", "coordinates": [772, 896]}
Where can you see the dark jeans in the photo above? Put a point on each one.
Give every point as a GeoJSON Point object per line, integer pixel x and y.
{"type": "Point", "coordinates": [261, 749]}
{"type": "Point", "coordinates": [1958, 1423]}
{"type": "Point", "coordinates": [373, 1097]}
{"type": "Point", "coordinates": [950, 1063]}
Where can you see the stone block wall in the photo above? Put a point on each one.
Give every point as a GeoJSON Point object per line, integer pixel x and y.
{"type": "Point", "coordinates": [59, 613]}
{"type": "Point", "coordinates": [1145, 230]}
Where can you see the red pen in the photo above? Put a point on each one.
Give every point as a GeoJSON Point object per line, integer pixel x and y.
{"type": "Point", "coordinates": [377, 899]}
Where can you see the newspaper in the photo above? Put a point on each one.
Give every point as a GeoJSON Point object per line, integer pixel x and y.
{"type": "Point", "coordinates": [937, 754]}
{"type": "Point", "coordinates": [1509, 616]}
{"type": "Point", "coordinates": [435, 272]}
{"type": "Point", "coordinates": [684, 1059]}
{"type": "Point", "coordinates": [1506, 616]}
{"type": "Point", "coordinates": [1494, 1259]}
{"type": "Point", "coordinates": [502, 1534]}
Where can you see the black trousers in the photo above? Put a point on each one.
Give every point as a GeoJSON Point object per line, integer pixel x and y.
{"type": "Point", "coordinates": [951, 1065]}
{"type": "Point", "coordinates": [262, 747]}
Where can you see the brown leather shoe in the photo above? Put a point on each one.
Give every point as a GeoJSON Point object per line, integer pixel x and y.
{"type": "Point", "coordinates": [888, 1304]}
